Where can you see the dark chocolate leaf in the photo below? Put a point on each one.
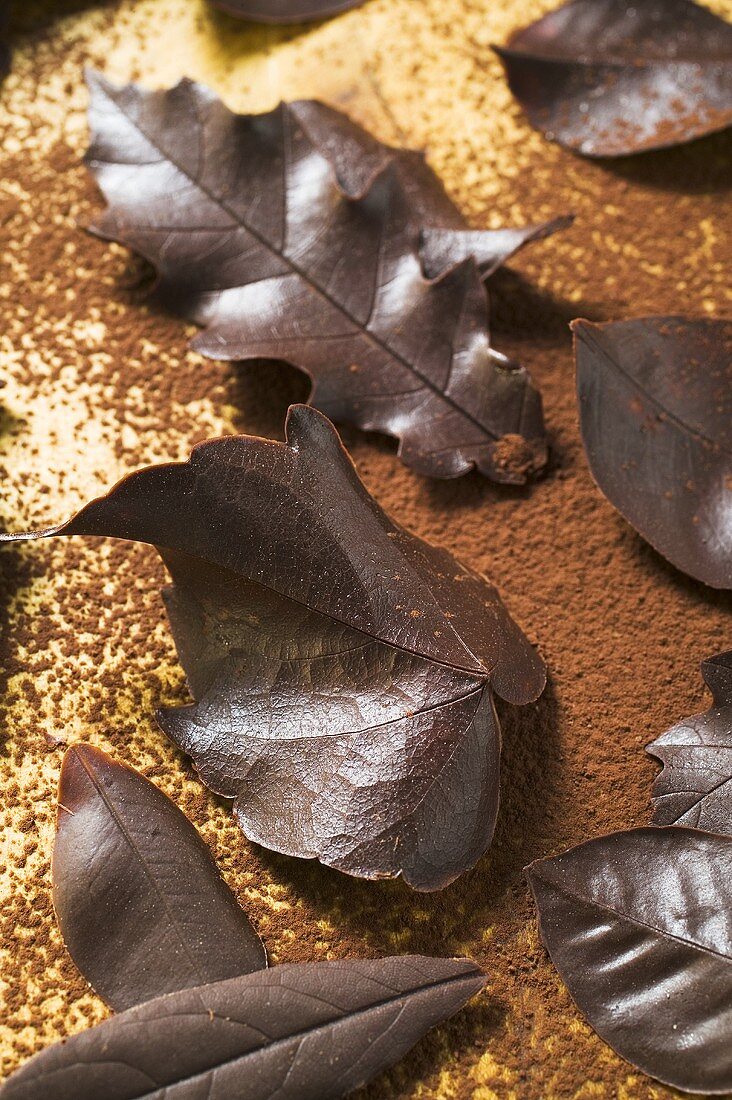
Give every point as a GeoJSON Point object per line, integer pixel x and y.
{"type": "Point", "coordinates": [284, 11]}
{"type": "Point", "coordinates": [342, 668]}
{"type": "Point", "coordinates": [140, 904]}
{"type": "Point", "coordinates": [639, 925]}
{"type": "Point", "coordinates": [314, 1031]}
{"type": "Point", "coordinates": [655, 397]}
{"type": "Point", "coordinates": [446, 239]}
{"type": "Point", "coordinates": [608, 78]}
{"type": "Point", "coordinates": [695, 786]}
{"type": "Point", "coordinates": [255, 240]}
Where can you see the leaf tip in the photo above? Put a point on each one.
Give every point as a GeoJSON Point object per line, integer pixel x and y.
{"type": "Point", "coordinates": [96, 81]}
{"type": "Point", "coordinates": [530, 870]}
{"type": "Point", "coordinates": [582, 331]}
{"type": "Point", "coordinates": [70, 780]}
{"type": "Point", "coordinates": [475, 974]}
{"type": "Point", "coordinates": [83, 752]}
{"type": "Point", "coordinates": [81, 760]}
{"type": "Point", "coordinates": [540, 874]}
{"type": "Point", "coordinates": [305, 425]}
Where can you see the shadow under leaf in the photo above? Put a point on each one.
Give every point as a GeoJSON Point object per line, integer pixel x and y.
{"type": "Point", "coordinates": [262, 390]}
{"type": "Point", "coordinates": [472, 1028]}
{"type": "Point", "coordinates": [698, 167]}
{"type": "Point", "coordinates": [236, 37]}
{"type": "Point", "coordinates": [38, 15]}
{"type": "Point", "coordinates": [518, 308]}
{"type": "Point", "coordinates": [653, 559]}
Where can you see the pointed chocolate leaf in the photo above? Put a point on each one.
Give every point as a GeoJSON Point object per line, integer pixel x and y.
{"type": "Point", "coordinates": [284, 11]}
{"type": "Point", "coordinates": [695, 785]}
{"type": "Point", "coordinates": [608, 78]}
{"type": "Point", "coordinates": [255, 240]}
{"type": "Point", "coordinates": [342, 668]}
{"type": "Point", "coordinates": [446, 239]}
{"type": "Point", "coordinates": [639, 926]}
{"type": "Point", "coordinates": [655, 398]}
{"type": "Point", "coordinates": [314, 1031]}
{"type": "Point", "coordinates": [140, 904]}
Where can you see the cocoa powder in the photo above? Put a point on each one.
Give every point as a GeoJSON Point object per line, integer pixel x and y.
{"type": "Point", "coordinates": [100, 381]}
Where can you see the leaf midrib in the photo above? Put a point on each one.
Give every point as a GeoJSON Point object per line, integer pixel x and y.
{"type": "Point", "coordinates": [295, 1035]}
{"type": "Point", "coordinates": [301, 273]}
{"type": "Point", "coordinates": [147, 870]}
{"type": "Point", "coordinates": [309, 738]}
{"type": "Point", "coordinates": [480, 672]}
{"type": "Point", "coordinates": [587, 336]}
{"type": "Point", "coordinates": [620, 915]}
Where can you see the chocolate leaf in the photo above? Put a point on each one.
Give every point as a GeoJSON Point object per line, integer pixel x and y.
{"type": "Point", "coordinates": [140, 903]}
{"type": "Point", "coordinates": [638, 925]}
{"type": "Point", "coordinates": [284, 11]}
{"type": "Point", "coordinates": [264, 249]}
{"type": "Point", "coordinates": [342, 667]}
{"type": "Point", "coordinates": [655, 398]}
{"type": "Point", "coordinates": [314, 1031]}
{"type": "Point", "coordinates": [609, 78]}
{"type": "Point", "coordinates": [695, 786]}
{"type": "Point", "coordinates": [446, 239]}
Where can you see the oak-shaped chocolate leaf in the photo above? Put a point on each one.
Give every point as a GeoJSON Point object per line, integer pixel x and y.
{"type": "Point", "coordinates": [639, 926]}
{"type": "Point", "coordinates": [655, 397]}
{"type": "Point", "coordinates": [608, 78]}
{"type": "Point", "coordinates": [313, 1031]}
{"type": "Point", "coordinates": [254, 239]}
{"type": "Point", "coordinates": [445, 237]}
{"type": "Point", "coordinates": [140, 904]}
{"type": "Point", "coordinates": [695, 786]}
{"type": "Point", "coordinates": [342, 668]}
{"type": "Point", "coordinates": [285, 11]}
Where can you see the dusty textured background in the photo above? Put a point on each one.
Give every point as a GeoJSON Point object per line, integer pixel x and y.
{"type": "Point", "coordinates": [97, 383]}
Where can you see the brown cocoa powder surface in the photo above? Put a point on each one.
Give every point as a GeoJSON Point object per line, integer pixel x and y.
{"type": "Point", "coordinates": [99, 381]}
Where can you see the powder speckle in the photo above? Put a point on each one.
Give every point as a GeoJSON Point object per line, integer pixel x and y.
{"type": "Point", "coordinates": [99, 381]}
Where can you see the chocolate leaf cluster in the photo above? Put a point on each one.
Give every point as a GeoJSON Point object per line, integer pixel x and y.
{"type": "Point", "coordinates": [284, 11]}
{"type": "Point", "coordinates": [279, 251]}
{"type": "Point", "coordinates": [314, 1031]}
{"type": "Point", "coordinates": [695, 786]}
{"type": "Point", "coordinates": [639, 923]}
{"type": "Point", "coordinates": [343, 670]}
{"type": "Point", "coordinates": [608, 78]}
{"type": "Point", "coordinates": [655, 398]}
